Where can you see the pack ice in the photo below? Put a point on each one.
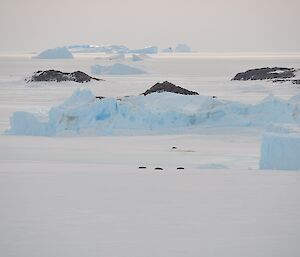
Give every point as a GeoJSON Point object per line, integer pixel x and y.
{"type": "Point", "coordinates": [55, 53]}
{"type": "Point", "coordinates": [84, 114]}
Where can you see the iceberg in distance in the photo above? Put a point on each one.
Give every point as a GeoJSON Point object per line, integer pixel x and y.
{"type": "Point", "coordinates": [55, 53]}
{"type": "Point", "coordinates": [182, 48]}
{"type": "Point", "coordinates": [115, 69]}
{"type": "Point", "coordinates": [146, 50]}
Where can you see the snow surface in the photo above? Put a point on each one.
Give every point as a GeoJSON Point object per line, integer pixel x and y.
{"type": "Point", "coordinates": [55, 53]}
{"type": "Point", "coordinates": [280, 148]}
{"type": "Point", "coordinates": [83, 114]}
{"type": "Point", "coordinates": [86, 209]}
{"type": "Point", "coordinates": [115, 69]}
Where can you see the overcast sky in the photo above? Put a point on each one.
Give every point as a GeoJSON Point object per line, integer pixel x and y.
{"type": "Point", "coordinates": [205, 25]}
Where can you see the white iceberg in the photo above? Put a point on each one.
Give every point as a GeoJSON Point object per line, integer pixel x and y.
{"type": "Point", "coordinates": [115, 69]}
{"type": "Point", "coordinates": [83, 114]}
{"type": "Point", "coordinates": [182, 48]}
{"type": "Point", "coordinates": [55, 53]}
{"type": "Point", "coordinates": [280, 148]}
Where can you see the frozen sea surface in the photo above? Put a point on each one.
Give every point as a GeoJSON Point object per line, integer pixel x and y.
{"type": "Point", "coordinates": [85, 196]}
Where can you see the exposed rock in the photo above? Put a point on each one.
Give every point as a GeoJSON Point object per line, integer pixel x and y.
{"type": "Point", "coordinates": [58, 76]}
{"type": "Point", "coordinates": [169, 87]}
{"type": "Point", "coordinates": [266, 73]}
{"type": "Point", "coordinates": [294, 81]}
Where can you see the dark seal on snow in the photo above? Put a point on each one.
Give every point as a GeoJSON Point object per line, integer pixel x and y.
{"type": "Point", "coordinates": [266, 73]}
{"type": "Point", "coordinates": [169, 87]}
{"type": "Point", "coordinates": [58, 76]}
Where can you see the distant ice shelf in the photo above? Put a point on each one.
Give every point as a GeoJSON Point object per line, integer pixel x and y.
{"type": "Point", "coordinates": [121, 49]}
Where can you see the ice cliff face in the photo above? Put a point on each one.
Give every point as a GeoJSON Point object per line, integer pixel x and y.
{"type": "Point", "coordinates": [84, 114]}
{"type": "Point", "coordinates": [280, 148]}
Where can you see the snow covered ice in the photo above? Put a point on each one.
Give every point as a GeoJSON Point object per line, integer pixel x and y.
{"type": "Point", "coordinates": [76, 189]}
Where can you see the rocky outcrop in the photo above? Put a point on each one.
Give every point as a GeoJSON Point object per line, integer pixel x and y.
{"type": "Point", "coordinates": [169, 87]}
{"type": "Point", "coordinates": [294, 81]}
{"type": "Point", "coordinates": [58, 76]}
{"type": "Point", "coordinates": [266, 73]}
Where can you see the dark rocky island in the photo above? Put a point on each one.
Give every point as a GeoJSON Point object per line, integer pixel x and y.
{"type": "Point", "coordinates": [294, 81]}
{"type": "Point", "coordinates": [266, 73]}
{"type": "Point", "coordinates": [58, 76]}
{"type": "Point", "coordinates": [169, 87]}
